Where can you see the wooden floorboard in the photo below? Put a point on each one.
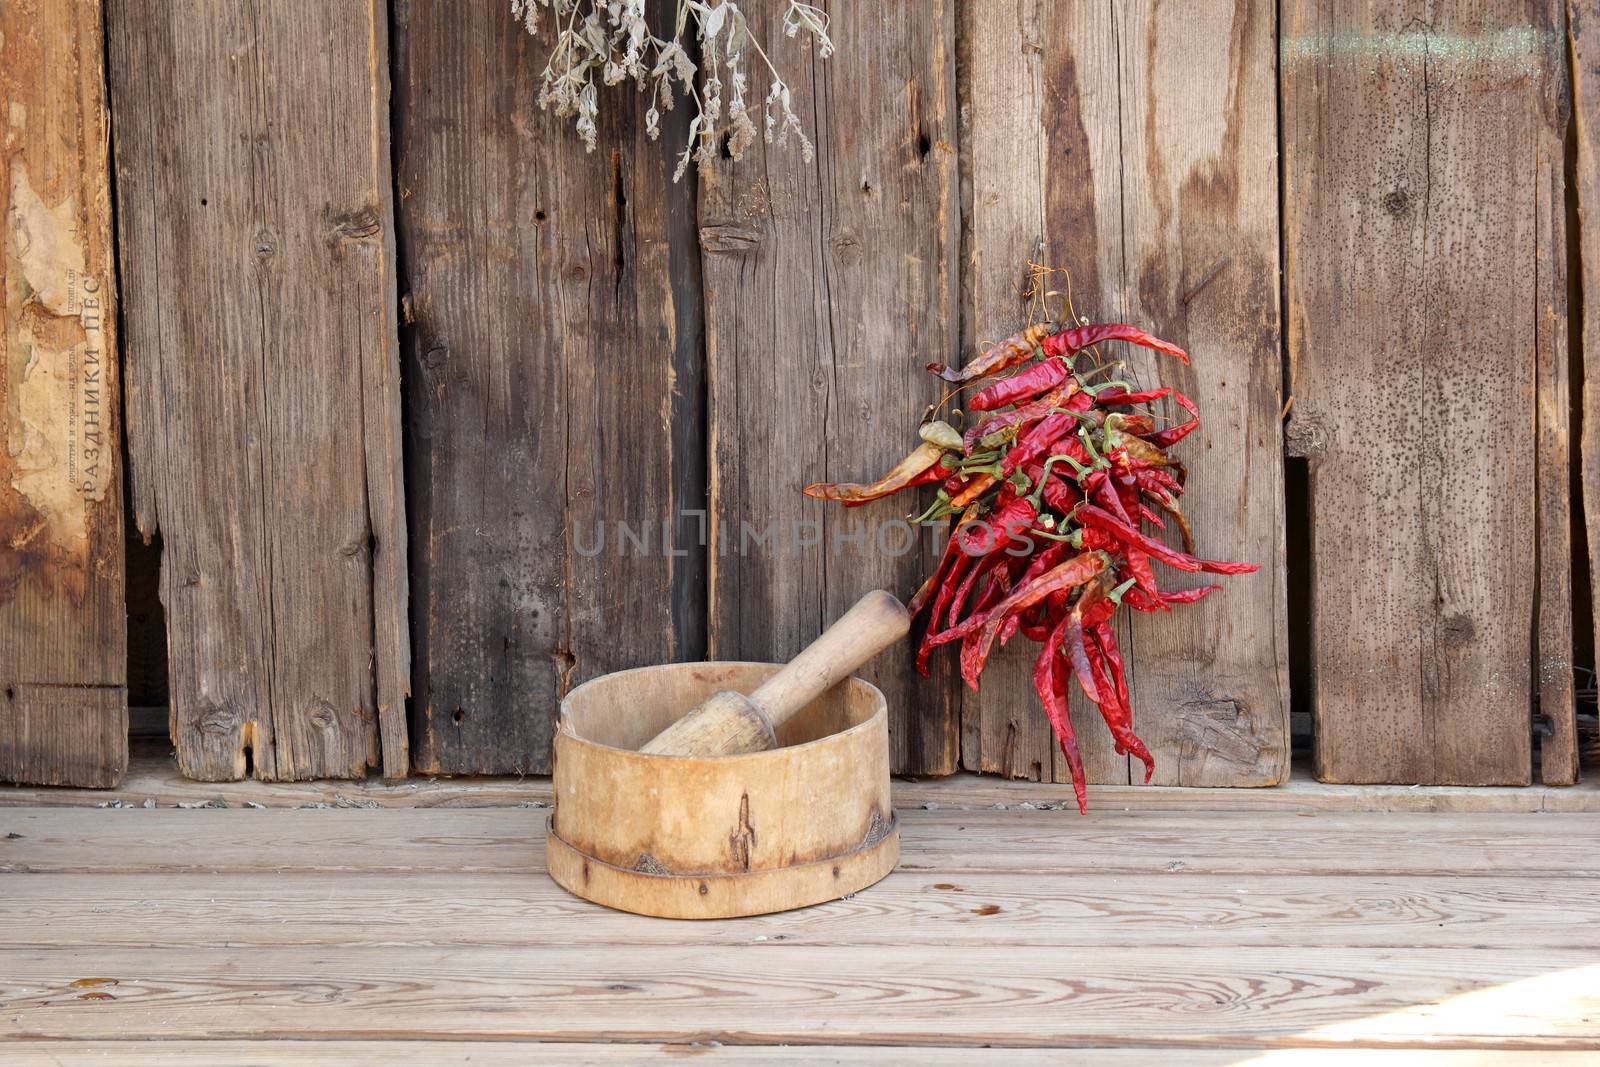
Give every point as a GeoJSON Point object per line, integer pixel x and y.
{"type": "Point", "coordinates": [523, 1053]}
{"type": "Point", "coordinates": [1079, 911]}
{"type": "Point", "coordinates": [782, 994]}
{"type": "Point", "coordinates": [153, 781]}
{"type": "Point", "coordinates": [414, 936]}
{"type": "Point", "coordinates": [501, 841]}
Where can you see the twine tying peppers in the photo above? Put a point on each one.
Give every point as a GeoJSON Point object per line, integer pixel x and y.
{"type": "Point", "coordinates": [1049, 489]}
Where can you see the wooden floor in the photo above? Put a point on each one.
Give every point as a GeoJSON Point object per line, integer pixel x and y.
{"type": "Point", "coordinates": [431, 935]}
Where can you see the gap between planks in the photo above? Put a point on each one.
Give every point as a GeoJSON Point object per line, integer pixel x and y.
{"type": "Point", "coordinates": [154, 781]}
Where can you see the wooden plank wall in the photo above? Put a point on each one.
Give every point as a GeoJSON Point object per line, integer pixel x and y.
{"type": "Point", "coordinates": [553, 356]}
{"type": "Point", "coordinates": [1426, 315]}
{"type": "Point", "coordinates": [63, 693]}
{"type": "Point", "coordinates": [829, 284]}
{"type": "Point", "coordinates": [589, 350]}
{"type": "Point", "coordinates": [254, 214]}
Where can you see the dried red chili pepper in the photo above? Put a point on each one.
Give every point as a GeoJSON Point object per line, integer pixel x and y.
{"type": "Point", "coordinates": [1008, 353]}
{"type": "Point", "coordinates": [948, 586]}
{"type": "Point", "coordinates": [952, 548]}
{"type": "Point", "coordinates": [1050, 683]}
{"type": "Point", "coordinates": [1070, 342]}
{"type": "Point", "coordinates": [935, 473]}
{"type": "Point", "coordinates": [1189, 596]}
{"type": "Point", "coordinates": [1068, 474]}
{"type": "Point", "coordinates": [905, 472]}
{"type": "Point", "coordinates": [973, 490]}
{"type": "Point", "coordinates": [1038, 441]}
{"type": "Point", "coordinates": [1068, 575]}
{"type": "Point", "coordinates": [1122, 729]}
{"type": "Point", "coordinates": [1092, 515]}
{"type": "Point", "coordinates": [1037, 379]}
{"type": "Point", "coordinates": [1169, 437]}
{"type": "Point", "coordinates": [1123, 398]}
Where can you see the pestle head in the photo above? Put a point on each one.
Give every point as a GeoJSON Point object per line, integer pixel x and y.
{"type": "Point", "coordinates": [727, 724]}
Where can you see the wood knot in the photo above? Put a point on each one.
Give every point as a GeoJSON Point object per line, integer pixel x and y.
{"type": "Point", "coordinates": [1222, 728]}
{"type": "Point", "coordinates": [322, 714]}
{"type": "Point", "coordinates": [1304, 435]}
{"type": "Point", "coordinates": [729, 238]}
{"type": "Point", "coordinates": [1397, 203]}
{"type": "Point", "coordinates": [1457, 630]}
{"type": "Point", "coordinates": [358, 225]}
{"type": "Point", "coordinates": [217, 719]}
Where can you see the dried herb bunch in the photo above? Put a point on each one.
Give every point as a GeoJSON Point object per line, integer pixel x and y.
{"type": "Point", "coordinates": [607, 42]}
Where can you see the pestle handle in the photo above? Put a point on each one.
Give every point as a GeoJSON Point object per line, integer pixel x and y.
{"type": "Point", "coordinates": [728, 723]}
{"type": "Point", "coordinates": [876, 621]}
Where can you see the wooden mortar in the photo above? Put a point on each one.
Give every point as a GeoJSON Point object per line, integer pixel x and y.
{"type": "Point", "coordinates": [717, 837]}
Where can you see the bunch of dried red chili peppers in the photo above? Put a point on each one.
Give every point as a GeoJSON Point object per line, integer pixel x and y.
{"type": "Point", "coordinates": [1048, 489]}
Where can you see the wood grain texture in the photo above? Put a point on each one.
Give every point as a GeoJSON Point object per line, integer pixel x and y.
{"type": "Point", "coordinates": [1554, 684]}
{"type": "Point", "coordinates": [1134, 145]}
{"type": "Point", "coordinates": [582, 1054]}
{"type": "Point", "coordinates": [789, 994]}
{"type": "Point", "coordinates": [1420, 304]}
{"type": "Point", "coordinates": [263, 391]}
{"type": "Point", "coordinates": [828, 285]}
{"type": "Point", "coordinates": [743, 833]}
{"type": "Point", "coordinates": [956, 909]}
{"type": "Point", "coordinates": [63, 657]}
{"type": "Point", "coordinates": [1583, 40]}
{"type": "Point", "coordinates": [155, 781]}
{"type": "Point", "coordinates": [554, 363]}
{"type": "Point", "coordinates": [69, 841]}
{"type": "Point", "coordinates": [1183, 933]}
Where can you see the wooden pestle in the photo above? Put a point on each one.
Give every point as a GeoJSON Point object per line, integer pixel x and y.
{"type": "Point", "coordinates": [728, 724]}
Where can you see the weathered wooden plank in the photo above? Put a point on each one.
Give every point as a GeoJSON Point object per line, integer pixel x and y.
{"type": "Point", "coordinates": [1555, 686]}
{"type": "Point", "coordinates": [1420, 187]}
{"type": "Point", "coordinates": [1134, 146]}
{"type": "Point", "coordinates": [828, 284]}
{"type": "Point", "coordinates": [1583, 29]}
{"type": "Point", "coordinates": [157, 783]}
{"type": "Point", "coordinates": [1040, 183]}
{"type": "Point", "coordinates": [66, 841]}
{"type": "Point", "coordinates": [263, 397]}
{"type": "Point", "coordinates": [63, 660]}
{"type": "Point", "coordinates": [958, 909]}
{"type": "Point", "coordinates": [766, 994]}
{"type": "Point", "coordinates": [519, 1053]}
{"type": "Point", "coordinates": [555, 382]}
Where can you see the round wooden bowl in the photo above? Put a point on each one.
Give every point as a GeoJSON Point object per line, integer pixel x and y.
{"type": "Point", "coordinates": [690, 838]}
